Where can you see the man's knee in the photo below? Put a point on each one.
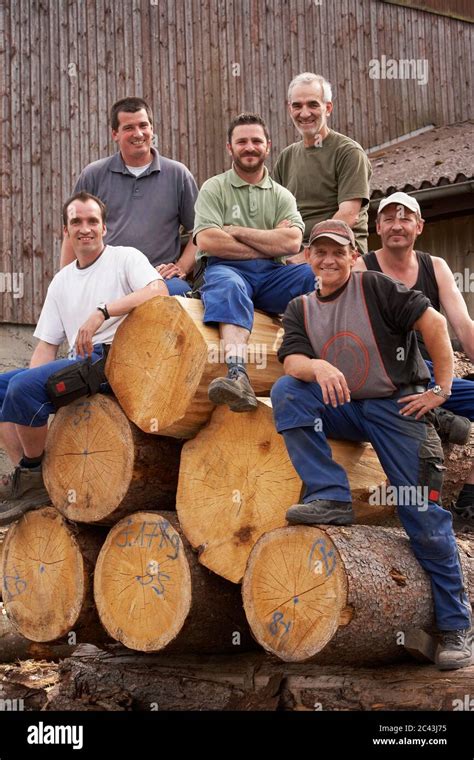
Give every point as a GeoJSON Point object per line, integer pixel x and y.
{"type": "Point", "coordinates": [284, 391]}
{"type": "Point", "coordinates": [295, 403]}
{"type": "Point", "coordinates": [19, 387]}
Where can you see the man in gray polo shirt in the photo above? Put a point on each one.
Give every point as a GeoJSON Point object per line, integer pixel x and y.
{"type": "Point", "coordinates": [147, 196]}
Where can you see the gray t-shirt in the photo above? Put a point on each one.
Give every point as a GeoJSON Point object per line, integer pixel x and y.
{"type": "Point", "coordinates": [145, 211]}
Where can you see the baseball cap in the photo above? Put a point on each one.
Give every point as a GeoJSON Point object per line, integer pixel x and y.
{"type": "Point", "coordinates": [402, 199]}
{"type": "Point", "coordinates": [335, 229]}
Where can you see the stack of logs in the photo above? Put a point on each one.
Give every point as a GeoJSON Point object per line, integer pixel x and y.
{"type": "Point", "coordinates": [162, 505]}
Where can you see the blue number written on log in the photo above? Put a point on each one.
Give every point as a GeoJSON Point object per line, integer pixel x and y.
{"type": "Point", "coordinates": [19, 583]}
{"type": "Point", "coordinates": [145, 580]}
{"type": "Point", "coordinates": [146, 534]}
{"type": "Point", "coordinates": [277, 622]}
{"type": "Point", "coordinates": [328, 557]}
{"type": "Point", "coordinates": [83, 412]}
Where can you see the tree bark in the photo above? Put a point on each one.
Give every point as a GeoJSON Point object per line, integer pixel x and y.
{"type": "Point", "coordinates": [152, 593]}
{"type": "Point", "coordinates": [339, 595]}
{"type": "Point", "coordinates": [251, 682]}
{"type": "Point", "coordinates": [163, 358]}
{"type": "Point", "coordinates": [47, 570]}
{"type": "Point", "coordinates": [99, 466]}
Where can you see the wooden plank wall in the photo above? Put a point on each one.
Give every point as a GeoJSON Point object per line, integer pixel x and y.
{"type": "Point", "coordinates": [64, 62]}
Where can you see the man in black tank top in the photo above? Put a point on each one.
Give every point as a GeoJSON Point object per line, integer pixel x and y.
{"type": "Point", "coordinates": [399, 223]}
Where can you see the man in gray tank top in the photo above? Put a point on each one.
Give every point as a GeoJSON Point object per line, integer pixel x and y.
{"type": "Point", "coordinates": [354, 371]}
{"type": "Point", "coordinates": [399, 223]}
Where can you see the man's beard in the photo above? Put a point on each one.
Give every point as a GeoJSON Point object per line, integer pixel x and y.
{"type": "Point", "coordinates": [252, 169]}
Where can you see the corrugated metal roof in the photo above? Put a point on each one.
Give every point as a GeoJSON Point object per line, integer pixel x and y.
{"type": "Point", "coordinates": [441, 156]}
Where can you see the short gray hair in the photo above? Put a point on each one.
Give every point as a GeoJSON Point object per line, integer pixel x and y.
{"type": "Point", "coordinates": [308, 78]}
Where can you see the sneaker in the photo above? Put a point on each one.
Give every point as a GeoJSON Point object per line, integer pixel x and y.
{"type": "Point", "coordinates": [234, 390]}
{"type": "Point", "coordinates": [321, 512]}
{"type": "Point", "coordinates": [455, 649]}
{"type": "Point", "coordinates": [450, 427]}
{"type": "Point", "coordinates": [24, 490]}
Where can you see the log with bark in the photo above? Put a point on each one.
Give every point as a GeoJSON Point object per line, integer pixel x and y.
{"type": "Point", "coordinates": [47, 566]}
{"type": "Point", "coordinates": [251, 682]}
{"type": "Point", "coordinates": [458, 459]}
{"type": "Point", "coordinates": [14, 646]}
{"type": "Point", "coordinates": [236, 482]}
{"type": "Point", "coordinates": [339, 594]}
{"type": "Point", "coordinates": [99, 466]}
{"type": "Point", "coordinates": [152, 593]}
{"type": "Point", "coordinates": [458, 462]}
{"type": "Point", "coordinates": [163, 358]}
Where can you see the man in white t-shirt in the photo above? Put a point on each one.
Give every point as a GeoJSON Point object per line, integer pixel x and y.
{"type": "Point", "coordinates": [85, 303]}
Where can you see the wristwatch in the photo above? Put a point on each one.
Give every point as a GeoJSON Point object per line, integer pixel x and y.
{"type": "Point", "coordinates": [437, 389]}
{"type": "Point", "coordinates": [103, 308]}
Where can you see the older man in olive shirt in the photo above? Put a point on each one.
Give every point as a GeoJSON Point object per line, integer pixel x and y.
{"type": "Point", "coordinates": [327, 172]}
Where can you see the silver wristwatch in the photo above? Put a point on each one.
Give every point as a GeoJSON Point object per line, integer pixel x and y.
{"type": "Point", "coordinates": [437, 389]}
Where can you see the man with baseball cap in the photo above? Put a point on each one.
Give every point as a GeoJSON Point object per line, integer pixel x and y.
{"type": "Point", "coordinates": [399, 223]}
{"type": "Point", "coordinates": [344, 379]}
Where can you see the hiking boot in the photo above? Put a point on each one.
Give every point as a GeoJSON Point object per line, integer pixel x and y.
{"type": "Point", "coordinates": [21, 491]}
{"type": "Point", "coordinates": [450, 427]}
{"type": "Point", "coordinates": [234, 390]}
{"type": "Point", "coordinates": [464, 511]}
{"type": "Point", "coordinates": [455, 649]}
{"type": "Point", "coordinates": [6, 485]}
{"type": "Point", "coordinates": [321, 512]}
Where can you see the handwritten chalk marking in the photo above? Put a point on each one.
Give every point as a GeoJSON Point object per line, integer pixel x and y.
{"type": "Point", "coordinates": [146, 534]}
{"type": "Point", "coordinates": [277, 621]}
{"type": "Point", "coordinates": [328, 558]}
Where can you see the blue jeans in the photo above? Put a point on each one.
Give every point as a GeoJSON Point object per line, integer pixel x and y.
{"type": "Point", "coordinates": [232, 289]}
{"type": "Point", "coordinates": [23, 396]}
{"type": "Point", "coordinates": [405, 447]}
{"type": "Point", "coordinates": [462, 395]}
{"type": "Point", "coordinates": [177, 286]}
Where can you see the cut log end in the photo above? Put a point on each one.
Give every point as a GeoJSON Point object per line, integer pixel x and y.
{"type": "Point", "coordinates": [157, 349]}
{"type": "Point", "coordinates": [236, 482]}
{"type": "Point", "coordinates": [99, 467]}
{"type": "Point", "coordinates": [89, 459]}
{"type": "Point", "coordinates": [43, 576]}
{"type": "Point", "coordinates": [142, 584]}
{"type": "Point", "coordinates": [295, 592]}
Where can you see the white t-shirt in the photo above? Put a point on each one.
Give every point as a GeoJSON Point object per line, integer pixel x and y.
{"type": "Point", "coordinates": [138, 170]}
{"type": "Point", "coordinates": [74, 294]}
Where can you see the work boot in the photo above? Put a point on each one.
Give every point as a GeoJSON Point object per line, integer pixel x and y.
{"type": "Point", "coordinates": [464, 507]}
{"type": "Point", "coordinates": [450, 427]}
{"type": "Point", "coordinates": [21, 491]}
{"type": "Point", "coordinates": [321, 512]}
{"type": "Point", "coordinates": [234, 390]}
{"type": "Point", "coordinates": [455, 649]}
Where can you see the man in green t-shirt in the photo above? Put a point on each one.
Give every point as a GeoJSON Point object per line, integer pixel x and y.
{"type": "Point", "coordinates": [328, 173]}
{"type": "Point", "coordinates": [244, 224]}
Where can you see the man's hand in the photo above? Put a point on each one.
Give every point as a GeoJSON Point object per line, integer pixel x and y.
{"type": "Point", "coordinates": [170, 270]}
{"type": "Point", "coordinates": [333, 383]}
{"type": "Point", "coordinates": [86, 332]}
{"type": "Point", "coordinates": [420, 404]}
